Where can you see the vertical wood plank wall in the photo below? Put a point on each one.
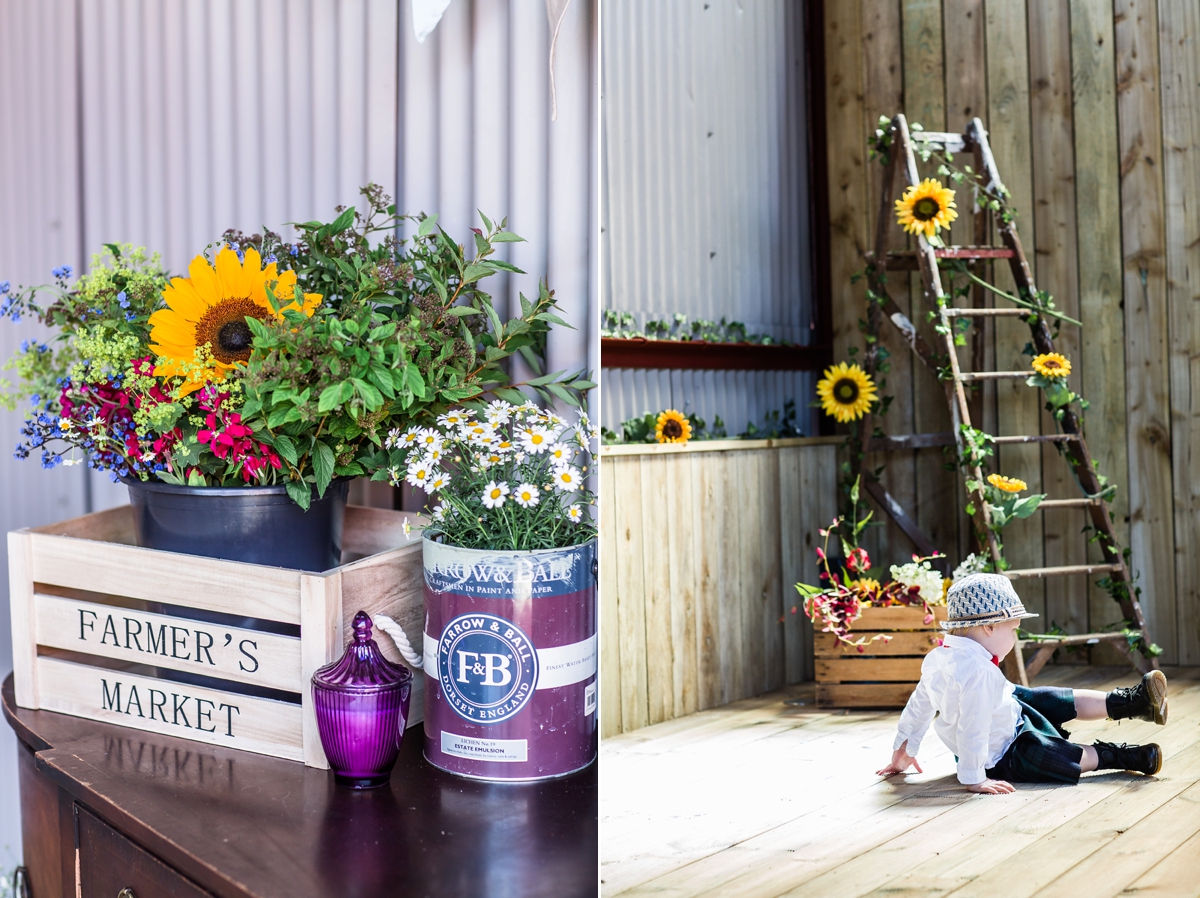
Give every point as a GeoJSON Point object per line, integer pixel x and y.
{"type": "Point", "coordinates": [700, 547]}
{"type": "Point", "coordinates": [1091, 106]}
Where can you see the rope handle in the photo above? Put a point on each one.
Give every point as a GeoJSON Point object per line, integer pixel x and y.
{"type": "Point", "coordinates": [392, 629]}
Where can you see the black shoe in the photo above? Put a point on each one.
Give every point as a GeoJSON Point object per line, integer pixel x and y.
{"type": "Point", "coordinates": [1145, 759]}
{"type": "Point", "coordinates": [1145, 701]}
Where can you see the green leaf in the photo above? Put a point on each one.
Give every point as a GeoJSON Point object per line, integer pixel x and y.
{"type": "Point", "coordinates": [287, 449]}
{"type": "Point", "coordinates": [329, 399]}
{"type": "Point", "coordinates": [509, 394]}
{"type": "Point", "coordinates": [497, 265]}
{"type": "Point", "coordinates": [343, 221]}
{"type": "Point", "coordinates": [474, 272]}
{"type": "Point", "coordinates": [323, 461]}
{"type": "Point", "coordinates": [428, 225]}
{"type": "Point", "coordinates": [507, 237]}
{"type": "Point", "coordinates": [552, 318]}
{"type": "Point", "coordinates": [461, 311]}
{"type": "Point", "coordinates": [301, 493]}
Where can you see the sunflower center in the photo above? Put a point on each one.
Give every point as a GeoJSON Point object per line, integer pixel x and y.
{"type": "Point", "coordinates": [845, 391]}
{"type": "Point", "coordinates": [926, 208]}
{"type": "Point", "coordinates": [672, 429]}
{"type": "Point", "coordinates": [225, 330]}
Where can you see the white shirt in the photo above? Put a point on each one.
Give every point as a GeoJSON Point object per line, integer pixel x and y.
{"type": "Point", "coordinates": [970, 703]}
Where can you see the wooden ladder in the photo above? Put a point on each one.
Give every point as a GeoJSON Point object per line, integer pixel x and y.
{"type": "Point", "coordinates": [925, 260]}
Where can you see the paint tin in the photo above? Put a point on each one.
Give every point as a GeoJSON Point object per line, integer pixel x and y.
{"type": "Point", "coordinates": [510, 658]}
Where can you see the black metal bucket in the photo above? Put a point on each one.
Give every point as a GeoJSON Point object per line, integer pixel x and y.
{"type": "Point", "coordinates": [258, 524]}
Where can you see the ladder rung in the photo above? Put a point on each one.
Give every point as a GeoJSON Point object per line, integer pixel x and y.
{"type": "Point", "coordinates": [1078, 639]}
{"type": "Point", "coordinates": [947, 140]}
{"type": "Point", "coordinates": [1068, 503]}
{"type": "Point", "coordinates": [1033, 572]}
{"type": "Point", "coordinates": [987, 313]}
{"type": "Point", "coordinates": [1037, 438]}
{"type": "Point", "coordinates": [906, 259]}
{"type": "Point", "coordinates": [969, 376]}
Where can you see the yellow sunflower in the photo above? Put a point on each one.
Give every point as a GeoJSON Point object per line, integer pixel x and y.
{"type": "Point", "coordinates": [1052, 364]}
{"type": "Point", "coordinates": [1008, 484]}
{"type": "Point", "coordinates": [672, 427]}
{"type": "Point", "coordinates": [846, 392]}
{"type": "Point", "coordinates": [210, 308]}
{"type": "Point", "coordinates": [926, 207]}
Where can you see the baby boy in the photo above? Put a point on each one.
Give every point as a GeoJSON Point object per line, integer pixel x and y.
{"type": "Point", "coordinates": [1001, 733]}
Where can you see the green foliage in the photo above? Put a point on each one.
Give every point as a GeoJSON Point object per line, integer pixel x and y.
{"type": "Point", "coordinates": [616, 323]}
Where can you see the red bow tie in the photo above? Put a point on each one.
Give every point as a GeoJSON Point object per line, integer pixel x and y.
{"type": "Point", "coordinates": [996, 660]}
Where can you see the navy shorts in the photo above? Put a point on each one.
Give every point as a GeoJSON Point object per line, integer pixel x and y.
{"type": "Point", "coordinates": [1041, 752]}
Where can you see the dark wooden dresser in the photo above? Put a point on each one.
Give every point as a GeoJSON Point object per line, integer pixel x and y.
{"type": "Point", "coordinates": [109, 812]}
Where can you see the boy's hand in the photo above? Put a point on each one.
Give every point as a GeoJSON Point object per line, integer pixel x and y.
{"type": "Point", "coordinates": [992, 787]}
{"type": "Point", "coordinates": [901, 761]}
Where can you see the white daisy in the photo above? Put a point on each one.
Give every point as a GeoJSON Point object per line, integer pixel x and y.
{"type": "Point", "coordinates": [535, 440]}
{"type": "Point", "coordinates": [409, 438]}
{"type": "Point", "coordinates": [394, 475]}
{"type": "Point", "coordinates": [498, 412]}
{"type": "Point", "coordinates": [65, 425]}
{"type": "Point", "coordinates": [439, 481]}
{"type": "Point", "coordinates": [561, 454]}
{"type": "Point", "coordinates": [491, 460]}
{"type": "Point", "coordinates": [478, 434]}
{"type": "Point", "coordinates": [567, 479]}
{"type": "Point", "coordinates": [575, 513]}
{"type": "Point", "coordinates": [428, 438]}
{"type": "Point", "coordinates": [452, 419]}
{"type": "Point", "coordinates": [527, 495]}
{"type": "Point", "coordinates": [494, 493]}
{"type": "Point", "coordinates": [433, 456]}
{"type": "Point", "coordinates": [438, 513]}
{"type": "Point", "coordinates": [72, 461]}
{"type": "Point", "coordinates": [393, 438]}
{"type": "Point", "coordinates": [419, 473]}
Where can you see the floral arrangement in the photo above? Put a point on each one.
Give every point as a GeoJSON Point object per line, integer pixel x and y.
{"type": "Point", "coordinates": [272, 361]}
{"type": "Point", "coordinates": [509, 477]}
{"type": "Point", "coordinates": [839, 599]}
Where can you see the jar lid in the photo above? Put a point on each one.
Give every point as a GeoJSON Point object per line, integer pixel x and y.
{"type": "Point", "coordinates": [362, 668]}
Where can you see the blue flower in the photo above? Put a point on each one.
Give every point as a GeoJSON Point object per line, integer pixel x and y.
{"type": "Point", "coordinates": [4, 286]}
{"type": "Point", "coordinates": [35, 399]}
{"type": "Point", "coordinates": [295, 250]}
{"type": "Point", "coordinates": [15, 316]}
{"type": "Point", "coordinates": [24, 346]}
{"type": "Point", "coordinates": [271, 258]}
{"type": "Point", "coordinates": [63, 272]}
{"type": "Point", "coordinates": [123, 300]}
{"type": "Point", "coordinates": [129, 316]}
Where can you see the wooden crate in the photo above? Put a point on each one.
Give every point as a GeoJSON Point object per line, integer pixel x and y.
{"type": "Point", "coordinates": [90, 638]}
{"type": "Point", "coordinates": [885, 673]}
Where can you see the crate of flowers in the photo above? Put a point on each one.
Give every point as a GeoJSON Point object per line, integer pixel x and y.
{"type": "Point", "coordinates": [236, 402]}
{"type": "Point", "coordinates": [870, 636]}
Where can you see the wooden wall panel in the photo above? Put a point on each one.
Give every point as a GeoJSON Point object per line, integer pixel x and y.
{"type": "Point", "coordinates": [1098, 229]}
{"type": "Point", "coordinates": [1053, 214]}
{"type": "Point", "coordinates": [700, 552]}
{"type": "Point", "coordinates": [1143, 230]}
{"type": "Point", "coordinates": [1179, 59]}
{"type": "Point", "coordinates": [883, 92]}
{"type": "Point", "coordinates": [1018, 409]}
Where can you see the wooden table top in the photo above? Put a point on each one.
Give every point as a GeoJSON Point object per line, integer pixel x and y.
{"type": "Point", "coordinates": [244, 824]}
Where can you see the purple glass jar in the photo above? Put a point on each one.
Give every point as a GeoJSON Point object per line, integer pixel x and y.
{"type": "Point", "coordinates": [361, 701]}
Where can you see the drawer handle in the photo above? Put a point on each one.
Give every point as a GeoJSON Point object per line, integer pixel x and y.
{"type": "Point", "coordinates": [126, 893]}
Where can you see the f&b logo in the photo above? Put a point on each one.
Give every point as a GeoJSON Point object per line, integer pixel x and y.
{"type": "Point", "coordinates": [487, 667]}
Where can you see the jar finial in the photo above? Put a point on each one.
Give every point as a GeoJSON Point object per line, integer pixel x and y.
{"type": "Point", "coordinates": [362, 628]}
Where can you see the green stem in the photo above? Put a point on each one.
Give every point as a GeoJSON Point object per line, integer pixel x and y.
{"type": "Point", "coordinates": [1021, 302]}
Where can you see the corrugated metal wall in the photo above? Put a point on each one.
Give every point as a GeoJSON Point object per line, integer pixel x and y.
{"type": "Point", "coordinates": [706, 208]}
{"type": "Point", "coordinates": [163, 122]}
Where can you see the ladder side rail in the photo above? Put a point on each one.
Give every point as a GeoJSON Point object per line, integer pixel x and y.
{"type": "Point", "coordinates": [956, 397]}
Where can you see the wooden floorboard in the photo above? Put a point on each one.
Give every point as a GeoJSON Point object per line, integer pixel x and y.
{"type": "Point", "coordinates": [771, 796]}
